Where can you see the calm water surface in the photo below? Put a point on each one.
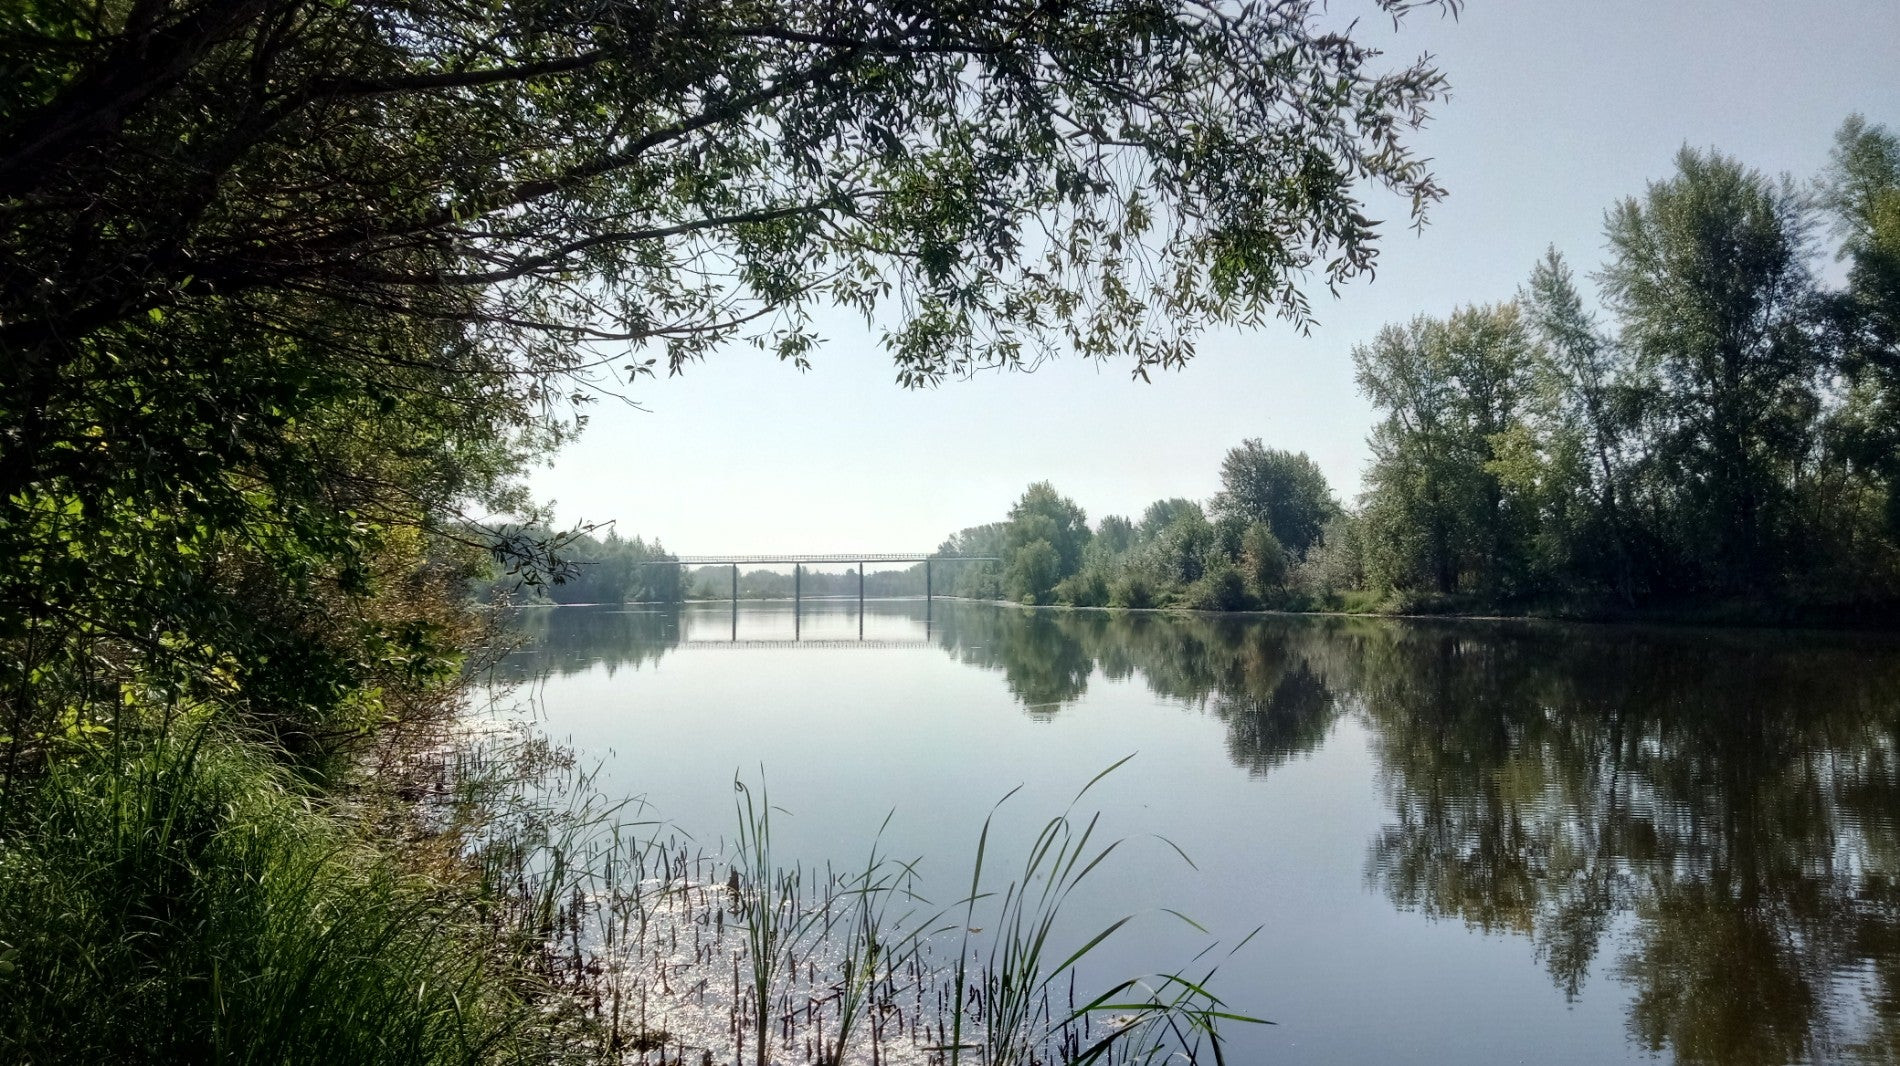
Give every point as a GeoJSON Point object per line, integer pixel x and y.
{"type": "Point", "coordinates": [1462, 842]}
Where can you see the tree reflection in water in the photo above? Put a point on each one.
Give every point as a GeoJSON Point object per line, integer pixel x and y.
{"type": "Point", "coordinates": [1717, 810]}
{"type": "Point", "coordinates": [1707, 818]}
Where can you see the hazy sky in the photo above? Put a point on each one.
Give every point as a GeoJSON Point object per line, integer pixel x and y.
{"type": "Point", "coordinates": [1558, 109]}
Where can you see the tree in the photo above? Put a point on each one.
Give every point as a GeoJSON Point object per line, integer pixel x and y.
{"type": "Point", "coordinates": [1335, 564]}
{"type": "Point", "coordinates": [1114, 535]}
{"type": "Point", "coordinates": [981, 580]}
{"type": "Point", "coordinates": [1285, 490]}
{"type": "Point", "coordinates": [1861, 191]}
{"type": "Point", "coordinates": [1161, 514]}
{"type": "Point", "coordinates": [1438, 515]}
{"type": "Point", "coordinates": [1034, 570]}
{"type": "Point", "coordinates": [1179, 554]}
{"type": "Point", "coordinates": [394, 155]}
{"type": "Point", "coordinates": [1047, 518]}
{"type": "Point", "coordinates": [1708, 274]}
{"type": "Point", "coordinates": [615, 570]}
{"type": "Point", "coordinates": [1263, 560]}
{"type": "Point", "coordinates": [1584, 399]}
{"type": "Point", "coordinates": [288, 285]}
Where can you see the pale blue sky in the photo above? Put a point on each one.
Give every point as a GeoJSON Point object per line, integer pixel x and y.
{"type": "Point", "coordinates": [1558, 109]}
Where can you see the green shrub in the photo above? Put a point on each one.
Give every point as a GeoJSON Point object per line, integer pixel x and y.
{"type": "Point", "coordinates": [1221, 588]}
{"type": "Point", "coordinates": [1086, 589]}
{"type": "Point", "coordinates": [1134, 590]}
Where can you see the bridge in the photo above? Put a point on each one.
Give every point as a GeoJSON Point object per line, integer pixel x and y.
{"type": "Point", "coordinates": [799, 562]}
{"type": "Point", "coordinates": [860, 644]}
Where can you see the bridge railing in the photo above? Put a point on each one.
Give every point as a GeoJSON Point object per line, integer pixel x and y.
{"type": "Point", "coordinates": [799, 563]}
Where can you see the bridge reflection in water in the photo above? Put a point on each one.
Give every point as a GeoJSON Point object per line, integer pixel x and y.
{"type": "Point", "coordinates": [875, 644]}
{"type": "Point", "coordinates": [812, 622]}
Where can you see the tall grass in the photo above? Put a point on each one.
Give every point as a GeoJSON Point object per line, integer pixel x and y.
{"type": "Point", "coordinates": [843, 964]}
{"type": "Point", "coordinates": [872, 936]}
{"type": "Point", "coordinates": [189, 904]}
{"type": "Point", "coordinates": [767, 897]}
{"type": "Point", "coordinates": [1007, 987]}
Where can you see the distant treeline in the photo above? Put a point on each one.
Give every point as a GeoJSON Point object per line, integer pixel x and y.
{"type": "Point", "coordinates": [1261, 542]}
{"type": "Point", "coordinates": [590, 569]}
{"type": "Point", "coordinates": [1727, 431]}
{"type": "Point", "coordinates": [616, 569]}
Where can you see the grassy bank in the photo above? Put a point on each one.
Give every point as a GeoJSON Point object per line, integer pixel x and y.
{"type": "Point", "coordinates": [188, 899]}
{"type": "Point", "coordinates": [1748, 613]}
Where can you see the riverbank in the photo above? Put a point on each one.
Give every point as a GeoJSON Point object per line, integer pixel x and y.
{"type": "Point", "coordinates": [455, 890]}
{"type": "Point", "coordinates": [190, 894]}
{"type": "Point", "coordinates": [1737, 614]}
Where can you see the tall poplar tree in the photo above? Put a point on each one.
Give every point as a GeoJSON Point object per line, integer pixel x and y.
{"type": "Point", "coordinates": [1709, 276]}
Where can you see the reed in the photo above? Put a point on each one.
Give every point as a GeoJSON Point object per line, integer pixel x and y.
{"type": "Point", "coordinates": [872, 937]}
{"type": "Point", "coordinates": [1008, 985]}
{"type": "Point", "coordinates": [186, 898]}
{"type": "Point", "coordinates": [767, 898]}
{"type": "Point", "coordinates": [685, 957]}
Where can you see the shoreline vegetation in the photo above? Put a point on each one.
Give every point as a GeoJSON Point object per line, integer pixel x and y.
{"type": "Point", "coordinates": [1735, 615]}
{"type": "Point", "coordinates": [1712, 436]}
{"type": "Point", "coordinates": [293, 293]}
{"type": "Point", "coordinates": [1722, 449]}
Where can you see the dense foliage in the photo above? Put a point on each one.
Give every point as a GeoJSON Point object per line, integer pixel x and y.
{"type": "Point", "coordinates": [592, 569]}
{"type": "Point", "coordinates": [1727, 436]}
{"type": "Point", "coordinates": [1252, 550]}
{"type": "Point", "coordinates": [1725, 445]}
{"type": "Point", "coordinates": [290, 289]}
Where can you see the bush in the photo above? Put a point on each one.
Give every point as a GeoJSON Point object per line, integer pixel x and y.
{"type": "Point", "coordinates": [1134, 590]}
{"type": "Point", "coordinates": [1086, 589]}
{"type": "Point", "coordinates": [1264, 560]}
{"type": "Point", "coordinates": [1221, 588]}
{"type": "Point", "coordinates": [1032, 572]}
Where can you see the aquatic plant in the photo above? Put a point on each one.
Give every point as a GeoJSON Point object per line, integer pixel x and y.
{"type": "Point", "coordinates": [1008, 987]}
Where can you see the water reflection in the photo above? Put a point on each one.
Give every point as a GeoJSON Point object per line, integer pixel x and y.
{"type": "Point", "coordinates": [1734, 797]}
{"type": "Point", "coordinates": [1707, 819]}
{"type": "Point", "coordinates": [1274, 687]}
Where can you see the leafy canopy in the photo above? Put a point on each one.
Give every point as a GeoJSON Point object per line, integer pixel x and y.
{"type": "Point", "coordinates": [1286, 491]}
{"type": "Point", "coordinates": [290, 288]}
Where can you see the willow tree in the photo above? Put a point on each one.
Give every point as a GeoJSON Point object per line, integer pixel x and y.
{"type": "Point", "coordinates": [283, 277]}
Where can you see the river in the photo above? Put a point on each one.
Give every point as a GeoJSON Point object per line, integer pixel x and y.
{"type": "Point", "coordinates": [1460, 841]}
